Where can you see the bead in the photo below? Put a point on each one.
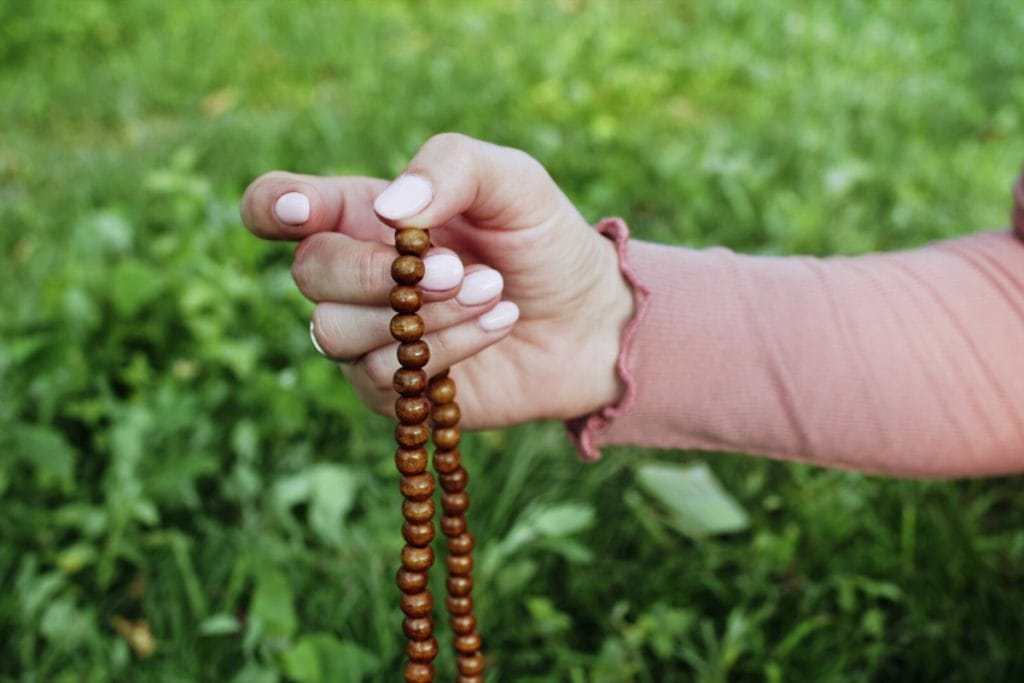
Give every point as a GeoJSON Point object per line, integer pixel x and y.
{"type": "Point", "coordinates": [411, 409]}
{"type": "Point", "coordinates": [454, 503]}
{"type": "Point", "coordinates": [471, 665]}
{"type": "Point", "coordinates": [417, 559]}
{"type": "Point", "coordinates": [409, 382]}
{"type": "Point", "coordinates": [417, 604]}
{"type": "Point", "coordinates": [441, 390]}
{"type": "Point", "coordinates": [462, 678]}
{"type": "Point", "coordinates": [459, 606]}
{"type": "Point", "coordinates": [418, 486]}
{"type": "Point", "coordinates": [413, 354]}
{"type": "Point", "coordinates": [410, 581]}
{"type": "Point", "coordinates": [459, 564]}
{"type": "Point", "coordinates": [418, 534]}
{"type": "Point", "coordinates": [446, 461]}
{"type": "Point", "coordinates": [462, 544]}
{"type": "Point", "coordinates": [411, 460]}
{"type": "Point", "coordinates": [406, 327]}
{"type": "Point", "coordinates": [446, 414]}
{"type": "Point", "coordinates": [463, 624]}
{"type": "Point", "coordinates": [419, 628]}
{"type": "Point", "coordinates": [459, 586]}
{"type": "Point", "coordinates": [405, 299]}
{"type": "Point", "coordinates": [419, 672]}
{"type": "Point", "coordinates": [407, 270]}
{"type": "Point", "coordinates": [422, 650]}
{"type": "Point", "coordinates": [412, 241]}
{"type": "Point", "coordinates": [412, 436]}
{"type": "Point", "coordinates": [468, 644]}
{"type": "Point", "coordinates": [447, 437]}
{"type": "Point", "coordinates": [453, 482]}
{"type": "Point", "coordinates": [418, 511]}
{"type": "Point", "coordinates": [453, 525]}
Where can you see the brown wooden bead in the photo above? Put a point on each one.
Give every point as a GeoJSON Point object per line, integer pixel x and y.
{"type": "Point", "coordinates": [418, 672]}
{"type": "Point", "coordinates": [462, 678]}
{"type": "Point", "coordinates": [411, 460]}
{"type": "Point", "coordinates": [447, 437]}
{"type": "Point", "coordinates": [417, 559]}
{"type": "Point", "coordinates": [409, 382]}
{"type": "Point", "coordinates": [423, 650]}
{"type": "Point", "coordinates": [459, 585]}
{"type": "Point", "coordinates": [417, 604]}
{"type": "Point", "coordinates": [405, 299]}
{"type": "Point", "coordinates": [406, 327]}
{"type": "Point", "coordinates": [412, 241]}
{"type": "Point", "coordinates": [446, 414]}
{"type": "Point", "coordinates": [420, 628]}
{"type": "Point", "coordinates": [411, 409]}
{"type": "Point", "coordinates": [441, 390]}
{"type": "Point", "coordinates": [469, 643]}
{"type": "Point", "coordinates": [460, 605]}
{"type": "Point", "coordinates": [407, 270]}
{"type": "Point", "coordinates": [412, 436]}
{"type": "Point", "coordinates": [463, 624]}
{"type": "Point", "coordinates": [453, 525]}
{"type": "Point", "coordinates": [453, 482]}
{"type": "Point", "coordinates": [446, 461]}
{"type": "Point", "coordinates": [460, 565]}
{"type": "Point", "coordinates": [414, 354]}
{"type": "Point", "coordinates": [454, 503]}
{"type": "Point", "coordinates": [418, 486]}
{"type": "Point", "coordinates": [418, 511]}
{"type": "Point", "coordinates": [462, 544]}
{"type": "Point", "coordinates": [410, 581]}
{"type": "Point", "coordinates": [471, 665]}
{"type": "Point", "coordinates": [418, 534]}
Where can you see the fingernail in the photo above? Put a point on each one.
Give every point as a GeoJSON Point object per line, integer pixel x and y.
{"type": "Point", "coordinates": [292, 208]}
{"type": "Point", "coordinates": [316, 344]}
{"type": "Point", "coordinates": [441, 272]}
{"type": "Point", "coordinates": [505, 314]}
{"type": "Point", "coordinates": [405, 197]}
{"type": "Point", "coordinates": [479, 287]}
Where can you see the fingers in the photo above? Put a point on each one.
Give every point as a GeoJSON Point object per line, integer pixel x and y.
{"type": "Point", "coordinates": [452, 175]}
{"type": "Point", "coordinates": [288, 206]}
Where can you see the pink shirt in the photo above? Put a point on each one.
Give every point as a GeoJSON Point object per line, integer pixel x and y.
{"type": "Point", "coordinates": [906, 363]}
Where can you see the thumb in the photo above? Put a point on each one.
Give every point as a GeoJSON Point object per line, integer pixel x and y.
{"type": "Point", "coordinates": [490, 185]}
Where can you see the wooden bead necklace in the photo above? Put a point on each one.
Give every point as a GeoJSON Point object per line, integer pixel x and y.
{"type": "Point", "coordinates": [418, 400]}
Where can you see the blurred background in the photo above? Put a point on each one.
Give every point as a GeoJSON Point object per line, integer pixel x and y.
{"type": "Point", "coordinates": [188, 492]}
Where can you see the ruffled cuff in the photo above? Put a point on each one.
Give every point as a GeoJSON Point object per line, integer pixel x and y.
{"type": "Point", "coordinates": [585, 431]}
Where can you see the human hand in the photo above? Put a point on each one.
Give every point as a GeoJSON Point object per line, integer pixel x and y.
{"type": "Point", "coordinates": [531, 323]}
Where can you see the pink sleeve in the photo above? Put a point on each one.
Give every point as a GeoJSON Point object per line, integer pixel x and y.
{"type": "Point", "coordinates": [908, 363]}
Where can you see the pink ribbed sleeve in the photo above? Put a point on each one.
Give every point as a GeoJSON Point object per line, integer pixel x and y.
{"type": "Point", "coordinates": [908, 363]}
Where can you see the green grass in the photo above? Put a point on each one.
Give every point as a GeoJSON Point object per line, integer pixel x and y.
{"type": "Point", "coordinates": [174, 454]}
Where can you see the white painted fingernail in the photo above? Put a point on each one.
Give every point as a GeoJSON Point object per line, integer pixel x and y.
{"type": "Point", "coordinates": [316, 344]}
{"type": "Point", "coordinates": [405, 197]}
{"type": "Point", "coordinates": [479, 287]}
{"type": "Point", "coordinates": [504, 315]}
{"type": "Point", "coordinates": [441, 272]}
{"type": "Point", "coordinates": [292, 208]}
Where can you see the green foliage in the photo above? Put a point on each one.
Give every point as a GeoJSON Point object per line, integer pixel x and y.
{"type": "Point", "coordinates": [176, 461]}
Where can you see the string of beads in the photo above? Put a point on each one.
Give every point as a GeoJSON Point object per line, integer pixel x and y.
{"type": "Point", "coordinates": [419, 400]}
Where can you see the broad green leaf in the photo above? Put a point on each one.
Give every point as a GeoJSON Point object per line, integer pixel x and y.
{"type": "Point", "coordinates": [333, 493]}
{"type": "Point", "coordinates": [134, 286]}
{"type": "Point", "coordinates": [273, 602]}
{"type": "Point", "coordinates": [220, 625]}
{"type": "Point", "coordinates": [695, 501]}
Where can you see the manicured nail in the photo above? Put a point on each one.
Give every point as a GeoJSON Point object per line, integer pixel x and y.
{"type": "Point", "coordinates": [441, 272]}
{"type": "Point", "coordinates": [504, 315]}
{"type": "Point", "coordinates": [316, 344]}
{"type": "Point", "coordinates": [405, 197]}
{"type": "Point", "coordinates": [479, 287]}
{"type": "Point", "coordinates": [292, 208]}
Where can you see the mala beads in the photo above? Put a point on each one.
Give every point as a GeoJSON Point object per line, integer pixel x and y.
{"type": "Point", "coordinates": [418, 401]}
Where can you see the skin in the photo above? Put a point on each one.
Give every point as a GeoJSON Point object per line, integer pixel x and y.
{"type": "Point", "coordinates": [495, 207]}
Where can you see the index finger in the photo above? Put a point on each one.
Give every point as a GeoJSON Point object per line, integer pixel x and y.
{"type": "Point", "coordinates": [290, 206]}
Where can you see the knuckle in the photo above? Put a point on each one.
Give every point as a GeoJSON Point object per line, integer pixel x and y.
{"type": "Point", "coordinates": [373, 272]}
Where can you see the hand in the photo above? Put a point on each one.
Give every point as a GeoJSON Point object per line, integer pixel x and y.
{"type": "Point", "coordinates": [531, 322]}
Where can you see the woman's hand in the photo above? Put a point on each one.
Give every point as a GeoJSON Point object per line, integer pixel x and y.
{"type": "Point", "coordinates": [521, 293]}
